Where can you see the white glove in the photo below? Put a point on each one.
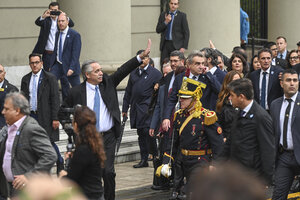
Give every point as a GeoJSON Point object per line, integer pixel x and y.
{"type": "Point", "coordinates": [166, 170]}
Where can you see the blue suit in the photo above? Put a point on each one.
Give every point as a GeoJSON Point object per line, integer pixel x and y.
{"type": "Point", "coordinates": [285, 171]}
{"type": "Point", "coordinates": [210, 93]}
{"type": "Point", "coordinates": [70, 60]}
{"type": "Point", "coordinates": [138, 95]}
{"type": "Point", "coordinates": [274, 89]}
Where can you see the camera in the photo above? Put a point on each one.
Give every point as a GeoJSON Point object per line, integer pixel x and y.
{"type": "Point", "coordinates": [65, 116]}
{"type": "Point", "coordinates": [55, 12]}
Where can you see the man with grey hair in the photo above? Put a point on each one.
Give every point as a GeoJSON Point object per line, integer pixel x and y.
{"type": "Point", "coordinates": [99, 93]}
{"type": "Point", "coordinates": [197, 70]}
{"type": "Point", "coordinates": [25, 148]}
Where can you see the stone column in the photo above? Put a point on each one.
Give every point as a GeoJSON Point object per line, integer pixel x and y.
{"type": "Point", "coordinates": [105, 28]}
{"type": "Point", "coordinates": [216, 20]}
{"type": "Point", "coordinates": [283, 20]}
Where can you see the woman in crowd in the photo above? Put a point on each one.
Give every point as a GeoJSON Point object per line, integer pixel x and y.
{"type": "Point", "coordinates": [238, 63]}
{"type": "Point", "coordinates": [292, 59]}
{"type": "Point", "coordinates": [87, 161]}
{"type": "Point", "coordinates": [224, 109]}
{"type": "Point", "coordinates": [255, 64]}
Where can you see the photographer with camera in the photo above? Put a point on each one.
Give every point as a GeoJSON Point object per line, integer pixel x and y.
{"type": "Point", "coordinates": [87, 161]}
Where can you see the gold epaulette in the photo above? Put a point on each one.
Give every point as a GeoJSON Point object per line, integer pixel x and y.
{"type": "Point", "coordinates": [210, 117]}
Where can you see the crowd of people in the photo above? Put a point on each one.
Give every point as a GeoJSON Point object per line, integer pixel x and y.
{"type": "Point", "coordinates": [204, 109]}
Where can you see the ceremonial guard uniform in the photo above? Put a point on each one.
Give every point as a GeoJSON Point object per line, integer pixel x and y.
{"type": "Point", "coordinates": [196, 139]}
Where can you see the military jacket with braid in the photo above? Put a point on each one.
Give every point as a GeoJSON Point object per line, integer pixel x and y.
{"type": "Point", "coordinates": [196, 135]}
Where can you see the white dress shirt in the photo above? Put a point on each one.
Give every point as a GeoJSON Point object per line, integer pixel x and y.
{"type": "Point", "coordinates": [36, 84]}
{"type": "Point", "coordinates": [106, 121]}
{"type": "Point", "coordinates": [267, 84]}
{"type": "Point", "coordinates": [284, 105]}
{"type": "Point", "coordinates": [63, 41]}
{"type": "Point", "coordinates": [51, 39]}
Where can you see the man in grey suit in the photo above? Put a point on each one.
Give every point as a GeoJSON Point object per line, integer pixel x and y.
{"type": "Point", "coordinates": [25, 147]}
{"type": "Point", "coordinates": [285, 112]}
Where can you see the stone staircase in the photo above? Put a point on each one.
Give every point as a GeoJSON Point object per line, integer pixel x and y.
{"type": "Point", "coordinates": [129, 149]}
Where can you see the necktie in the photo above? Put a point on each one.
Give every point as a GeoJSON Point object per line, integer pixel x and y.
{"type": "Point", "coordinates": [195, 78]}
{"type": "Point", "coordinates": [97, 107]}
{"type": "Point", "coordinates": [60, 47]}
{"type": "Point", "coordinates": [281, 56]}
{"type": "Point", "coordinates": [169, 31]}
{"type": "Point", "coordinates": [285, 123]}
{"type": "Point", "coordinates": [242, 113]}
{"type": "Point", "coordinates": [263, 91]}
{"type": "Point", "coordinates": [33, 95]}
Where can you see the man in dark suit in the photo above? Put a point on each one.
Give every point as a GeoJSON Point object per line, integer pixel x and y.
{"type": "Point", "coordinates": [281, 46]}
{"type": "Point", "coordinates": [5, 87]}
{"type": "Point", "coordinates": [174, 30]}
{"type": "Point", "coordinates": [197, 70]}
{"type": "Point", "coordinates": [41, 90]}
{"type": "Point", "coordinates": [46, 40]}
{"type": "Point", "coordinates": [106, 106]}
{"type": "Point", "coordinates": [266, 83]}
{"type": "Point", "coordinates": [137, 96]}
{"type": "Point", "coordinates": [286, 115]}
{"type": "Point", "coordinates": [212, 64]}
{"type": "Point", "coordinates": [252, 141]}
{"type": "Point", "coordinates": [25, 148]}
{"type": "Point", "coordinates": [275, 60]}
{"type": "Point", "coordinates": [67, 52]}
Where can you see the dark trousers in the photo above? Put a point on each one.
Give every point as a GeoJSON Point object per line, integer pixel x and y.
{"type": "Point", "coordinates": [109, 170]}
{"type": "Point", "coordinates": [286, 169]}
{"type": "Point", "coordinates": [47, 61]}
{"type": "Point", "coordinates": [166, 50]}
{"type": "Point", "coordinates": [57, 70]}
{"type": "Point", "coordinates": [143, 139]}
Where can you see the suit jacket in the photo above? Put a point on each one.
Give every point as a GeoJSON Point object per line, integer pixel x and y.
{"type": "Point", "coordinates": [71, 51]}
{"type": "Point", "coordinates": [138, 95]}
{"type": "Point", "coordinates": [180, 30]}
{"type": "Point", "coordinates": [44, 33]}
{"type": "Point", "coordinates": [31, 152]}
{"type": "Point", "coordinates": [281, 62]}
{"type": "Point", "coordinates": [6, 88]}
{"type": "Point", "coordinates": [47, 101]}
{"type": "Point", "coordinates": [208, 99]}
{"type": "Point", "coordinates": [252, 142]}
{"type": "Point", "coordinates": [295, 126]}
{"type": "Point", "coordinates": [159, 107]}
{"type": "Point", "coordinates": [274, 89]}
{"type": "Point", "coordinates": [77, 94]}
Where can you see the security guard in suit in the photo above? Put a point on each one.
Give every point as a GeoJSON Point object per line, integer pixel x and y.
{"type": "Point", "coordinates": [197, 138]}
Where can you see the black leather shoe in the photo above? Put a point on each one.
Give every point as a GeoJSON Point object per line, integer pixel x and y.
{"type": "Point", "coordinates": [160, 187]}
{"type": "Point", "coordinates": [142, 163]}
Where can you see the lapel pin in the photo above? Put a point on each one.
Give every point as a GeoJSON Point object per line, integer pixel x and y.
{"type": "Point", "coordinates": [146, 76]}
{"type": "Point", "coordinates": [18, 133]}
{"type": "Point", "coordinates": [298, 103]}
{"type": "Point", "coordinates": [68, 35]}
{"type": "Point", "coordinates": [251, 116]}
{"type": "Point", "coordinates": [272, 72]}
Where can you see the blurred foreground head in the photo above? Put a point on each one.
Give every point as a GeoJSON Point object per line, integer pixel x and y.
{"type": "Point", "coordinates": [226, 182]}
{"type": "Point", "coordinates": [45, 187]}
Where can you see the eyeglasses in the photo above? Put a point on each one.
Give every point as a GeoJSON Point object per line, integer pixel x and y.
{"type": "Point", "coordinates": [36, 62]}
{"type": "Point", "coordinates": [294, 58]}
